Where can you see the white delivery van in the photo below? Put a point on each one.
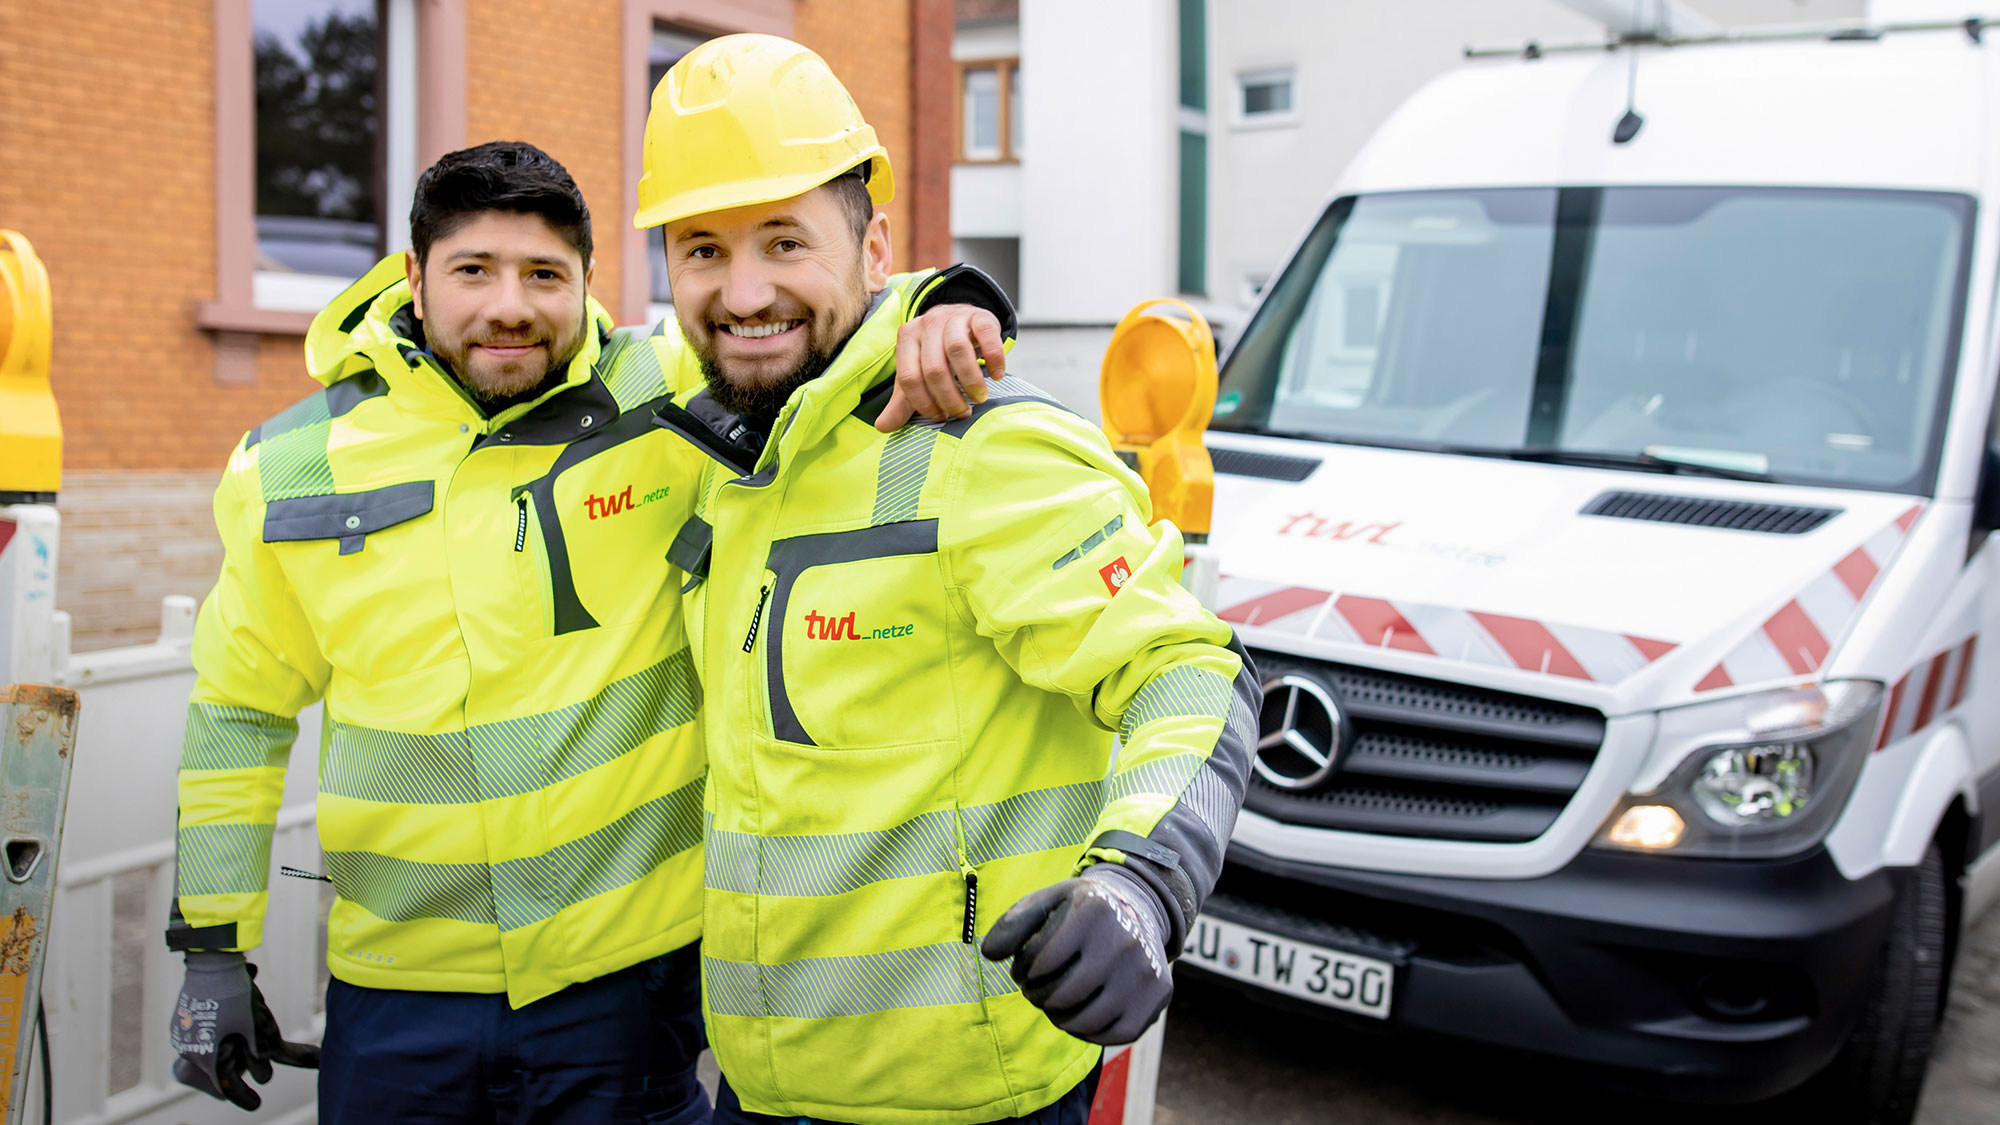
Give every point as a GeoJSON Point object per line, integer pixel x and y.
{"type": "Point", "coordinates": [1610, 521]}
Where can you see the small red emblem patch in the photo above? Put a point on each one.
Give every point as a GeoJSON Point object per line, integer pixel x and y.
{"type": "Point", "coordinates": [1116, 574]}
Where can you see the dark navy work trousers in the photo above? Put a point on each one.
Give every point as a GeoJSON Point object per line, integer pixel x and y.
{"type": "Point", "coordinates": [1072, 1108]}
{"type": "Point", "coordinates": [618, 1049]}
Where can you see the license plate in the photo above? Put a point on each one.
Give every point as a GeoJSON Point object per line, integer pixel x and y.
{"type": "Point", "coordinates": [1332, 977]}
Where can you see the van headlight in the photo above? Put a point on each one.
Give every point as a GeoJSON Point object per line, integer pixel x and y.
{"type": "Point", "coordinates": [1752, 776]}
{"type": "Point", "coordinates": [1745, 785]}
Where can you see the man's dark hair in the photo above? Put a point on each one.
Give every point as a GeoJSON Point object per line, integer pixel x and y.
{"type": "Point", "coordinates": [497, 176]}
{"type": "Point", "coordinates": [851, 188]}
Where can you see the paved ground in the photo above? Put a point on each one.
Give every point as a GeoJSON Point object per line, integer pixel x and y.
{"type": "Point", "coordinates": [1231, 1060]}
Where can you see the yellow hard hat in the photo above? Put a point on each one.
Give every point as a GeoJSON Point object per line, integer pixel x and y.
{"type": "Point", "coordinates": [751, 119]}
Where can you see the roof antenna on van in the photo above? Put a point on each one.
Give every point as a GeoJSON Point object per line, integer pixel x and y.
{"type": "Point", "coordinates": [1628, 125]}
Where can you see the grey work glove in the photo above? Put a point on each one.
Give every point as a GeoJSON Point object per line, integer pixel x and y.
{"type": "Point", "coordinates": [1091, 952]}
{"type": "Point", "coordinates": [222, 1028]}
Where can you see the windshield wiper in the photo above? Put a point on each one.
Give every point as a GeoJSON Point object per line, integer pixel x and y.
{"type": "Point", "coordinates": [1345, 439]}
{"type": "Point", "coordinates": [1595, 459]}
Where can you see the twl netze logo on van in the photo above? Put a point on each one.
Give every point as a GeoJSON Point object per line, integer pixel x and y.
{"type": "Point", "coordinates": [820, 627]}
{"type": "Point", "coordinates": [619, 502]}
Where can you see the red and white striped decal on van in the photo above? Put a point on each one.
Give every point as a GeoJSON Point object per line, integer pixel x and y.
{"type": "Point", "coordinates": [1795, 640]}
{"type": "Point", "coordinates": [1927, 692]}
{"type": "Point", "coordinates": [1546, 647]}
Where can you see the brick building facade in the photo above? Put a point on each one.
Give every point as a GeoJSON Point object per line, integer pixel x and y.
{"type": "Point", "coordinates": [128, 147]}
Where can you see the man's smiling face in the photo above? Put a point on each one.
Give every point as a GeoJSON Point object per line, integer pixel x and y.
{"type": "Point", "coordinates": [767, 294]}
{"type": "Point", "coordinates": [502, 301]}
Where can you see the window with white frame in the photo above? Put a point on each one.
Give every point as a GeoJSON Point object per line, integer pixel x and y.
{"type": "Point", "coordinates": [989, 111]}
{"type": "Point", "coordinates": [319, 175]}
{"type": "Point", "coordinates": [1265, 97]}
{"type": "Point", "coordinates": [335, 144]}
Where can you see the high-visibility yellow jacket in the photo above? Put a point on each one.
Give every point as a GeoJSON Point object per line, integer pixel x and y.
{"type": "Point", "coordinates": [916, 650]}
{"type": "Point", "coordinates": [510, 775]}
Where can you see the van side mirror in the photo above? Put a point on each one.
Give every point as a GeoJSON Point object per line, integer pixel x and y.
{"type": "Point", "coordinates": [1986, 501]}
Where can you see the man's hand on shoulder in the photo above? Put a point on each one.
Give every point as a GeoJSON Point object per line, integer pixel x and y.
{"type": "Point", "coordinates": [938, 374]}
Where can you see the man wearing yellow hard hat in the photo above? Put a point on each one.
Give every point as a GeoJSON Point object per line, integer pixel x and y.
{"type": "Point", "coordinates": [459, 545]}
{"type": "Point", "coordinates": [973, 752]}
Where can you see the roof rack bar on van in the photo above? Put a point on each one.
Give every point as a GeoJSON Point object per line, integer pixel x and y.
{"type": "Point", "coordinates": [1974, 27]}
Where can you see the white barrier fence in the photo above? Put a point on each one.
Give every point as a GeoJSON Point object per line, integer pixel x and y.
{"type": "Point", "coordinates": [110, 983]}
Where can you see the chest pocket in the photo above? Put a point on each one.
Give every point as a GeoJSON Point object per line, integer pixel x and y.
{"type": "Point", "coordinates": [607, 513]}
{"type": "Point", "coordinates": [855, 648]}
{"type": "Point", "coordinates": [347, 517]}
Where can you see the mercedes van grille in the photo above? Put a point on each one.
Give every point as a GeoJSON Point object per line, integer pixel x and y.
{"type": "Point", "coordinates": [1433, 759]}
{"type": "Point", "coordinates": [1700, 511]}
{"type": "Point", "coordinates": [1271, 466]}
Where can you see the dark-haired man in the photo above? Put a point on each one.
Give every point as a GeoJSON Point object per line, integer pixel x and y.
{"type": "Point", "coordinates": [460, 546]}
{"type": "Point", "coordinates": [872, 864]}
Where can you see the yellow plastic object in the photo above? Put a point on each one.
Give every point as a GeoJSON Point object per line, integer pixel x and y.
{"type": "Point", "coordinates": [30, 431]}
{"type": "Point", "coordinates": [751, 119]}
{"type": "Point", "coordinates": [1157, 391]}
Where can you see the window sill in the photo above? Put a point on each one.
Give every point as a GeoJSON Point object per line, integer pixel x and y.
{"type": "Point", "coordinates": [281, 304]}
{"type": "Point", "coordinates": [1258, 121]}
{"type": "Point", "coordinates": [216, 316]}
{"type": "Point", "coordinates": [281, 291]}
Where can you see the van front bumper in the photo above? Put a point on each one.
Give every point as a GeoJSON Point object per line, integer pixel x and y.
{"type": "Point", "coordinates": [1695, 979]}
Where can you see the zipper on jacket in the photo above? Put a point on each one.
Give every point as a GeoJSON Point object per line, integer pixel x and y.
{"type": "Point", "coordinates": [521, 525]}
{"type": "Point", "coordinates": [757, 618]}
{"type": "Point", "coordinates": [298, 874]}
{"type": "Point", "coordinates": [971, 898]}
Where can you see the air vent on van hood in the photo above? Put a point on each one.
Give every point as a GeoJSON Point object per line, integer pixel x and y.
{"type": "Point", "coordinates": [1272, 466]}
{"type": "Point", "coordinates": [1698, 511]}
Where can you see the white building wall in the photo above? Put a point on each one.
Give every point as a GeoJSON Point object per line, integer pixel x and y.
{"type": "Point", "coordinates": [998, 40]}
{"type": "Point", "coordinates": [986, 200]}
{"type": "Point", "coordinates": [1354, 61]}
{"type": "Point", "coordinates": [1095, 197]}
{"type": "Point", "coordinates": [1098, 180]}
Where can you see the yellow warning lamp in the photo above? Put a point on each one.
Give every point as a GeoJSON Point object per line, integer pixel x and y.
{"type": "Point", "coordinates": [30, 432]}
{"type": "Point", "coordinates": [1157, 390]}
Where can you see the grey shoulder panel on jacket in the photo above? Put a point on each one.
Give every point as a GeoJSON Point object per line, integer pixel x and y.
{"type": "Point", "coordinates": [1010, 391]}
{"type": "Point", "coordinates": [320, 406]}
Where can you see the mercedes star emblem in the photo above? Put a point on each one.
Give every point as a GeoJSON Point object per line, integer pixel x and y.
{"type": "Point", "coordinates": [1304, 734]}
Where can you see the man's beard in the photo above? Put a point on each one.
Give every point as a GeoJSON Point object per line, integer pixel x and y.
{"type": "Point", "coordinates": [759, 400]}
{"type": "Point", "coordinates": [759, 403]}
{"type": "Point", "coordinates": [510, 390]}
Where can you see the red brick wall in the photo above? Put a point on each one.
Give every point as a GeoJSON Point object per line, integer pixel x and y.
{"type": "Point", "coordinates": [968, 11]}
{"type": "Point", "coordinates": [107, 138]}
{"type": "Point", "coordinates": [566, 98]}
{"type": "Point", "coordinates": [929, 179]}
{"type": "Point", "coordinates": [867, 43]}
{"type": "Point", "coordinates": [128, 540]}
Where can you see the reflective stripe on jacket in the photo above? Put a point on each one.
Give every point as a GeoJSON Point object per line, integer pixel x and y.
{"type": "Point", "coordinates": [917, 649]}
{"type": "Point", "coordinates": [510, 773]}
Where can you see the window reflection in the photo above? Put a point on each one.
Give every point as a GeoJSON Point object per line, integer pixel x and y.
{"type": "Point", "coordinates": [319, 155]}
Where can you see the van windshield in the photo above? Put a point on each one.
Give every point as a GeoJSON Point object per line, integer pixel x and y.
{"type": "Point", "coordinates": [1797, 335]}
